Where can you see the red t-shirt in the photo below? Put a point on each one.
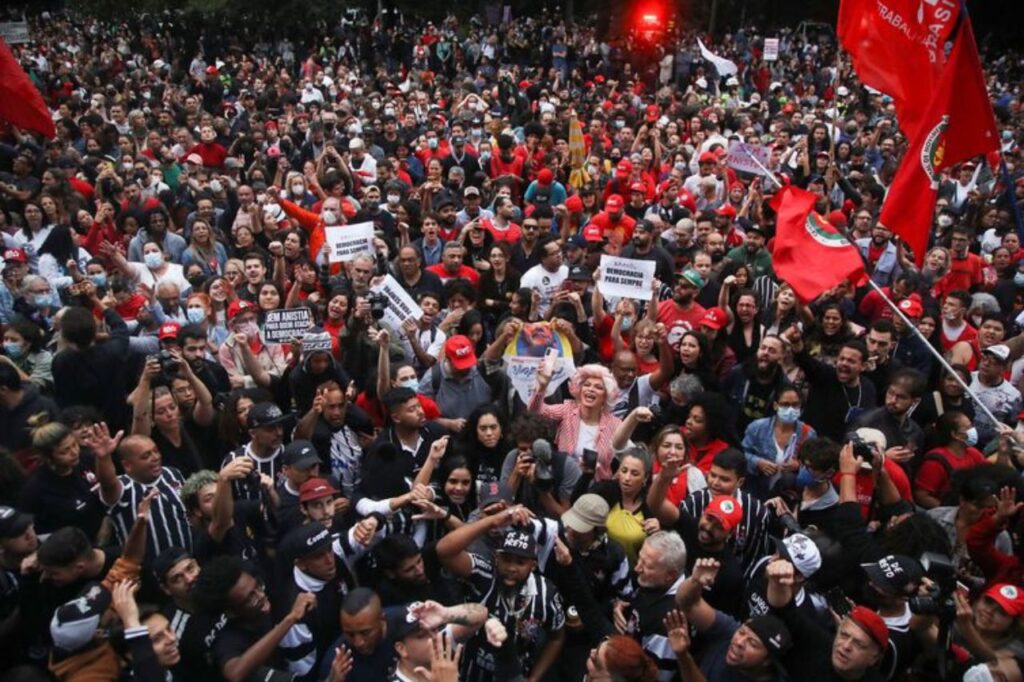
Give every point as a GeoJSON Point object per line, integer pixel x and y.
{"type": "Point", "coordinates": [964, 273]}
{"type": "Point", "coordinates": [702, 458]}
{"type": "Point", "coordinates": [465, 272]}
{"type": "Point", "coordinates": [866, 485]}
{"type": "Point", "coordinates": [510, 236]}
{"type": "Point", "coordinates": [679, 321]}
{"type": "Point", "coordinates": [933, 478]}
{"type": "Point", "coordinates": [968, 334]}
{"type": "Point", "coordinates": [374, 408]}
{"type": "Point", "coordinates": [616, 231]}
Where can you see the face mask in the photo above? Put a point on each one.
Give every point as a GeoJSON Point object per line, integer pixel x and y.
{"type": "Point", "coordinates": [944, 221]}
{"type": "Point", "coordinates": [972, 437]}
{"type": "Point", "coordinates": [355, 129]}
{"type": "Point", "coordinates": [196, 315]}
{"type": "Point", "coordinates": [788, 414]}
{"type": "Point", "coordinates": [330, 218]}
{"type": "Point", "coordinates": [978, 673]}
{"type": "Point", "coordinates": [153, 260]}
{"type": "Point", "coordinates": [13, 349]}
{"type": "Point", "coordinates": [477, 132]}
{"type": "Point", "coordinates": [41, 300]}
{"type": "Point", "coordinates": [432, 142]}
{"type": "Point", "coordinates": [372, 205]}
{"type": "Point", "coordinates": [298, 190]}
{"type": "Point", "coordinates": [619, 123]}
{"type": "Point", "coordinates": [250, 329]}
{"type": "Point", "coordinates": [592, 169]}
{"type": "Point", "coordinates": [412, 384]}
{"type": "Point", "coordinates": [950, 317]}
{"type": "Point", "coordinates": [100, 280]}
{"type": "Point", "coordinates": [805, 478]}
{"type": "Point", "coordinates": [393, 199]}
{"type": "Point", "coordinates": [485, 157]}
{"type": "Point", "coordinates": [627, 324]}
{"type": "Point", "coordinates": [389, 111]}
{"type": "Point", "coordinates": [216, 187]}
{"type": "Point", "coordinates": [1018, 279]}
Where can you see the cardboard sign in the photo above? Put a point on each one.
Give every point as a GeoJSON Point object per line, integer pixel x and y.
{"type": "Point", "coordinates": [525, 353]}
{"type": "Point", "coordinates": [14, 32]}
{"type": "Point", "coordinates": [401, 305]}
{"type": "Point", "coordinates": [281, 326]}
{"type": "Point", "coordinates": [745, 157]}
{"type": "Point", "coordinates": [626, 278]}
{"type": "Point", "coordinates": [349, 241]}
{"type": "Point", "coordinates": [771, 49]}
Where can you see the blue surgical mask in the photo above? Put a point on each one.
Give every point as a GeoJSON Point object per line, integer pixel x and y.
{"type": "Point", "coordinates": [627, 324]}
{"type": "Point", "coordinates": [195, 315]}
{"type": "Point", "coordinates": [153, 259]}
{"type": "Point", "coordinates": [13, 349]}
{"type": "Point", "coordinates": [972, 437]}
{"type": "Point", "coordinates": [806, 478]}
{"type": "Point", "coordinates": [413, 383]}
{"type": "Point", "coordinates": [41, 300]}
{"type": "Point", "coordinates": [788, 414]}
{"type": "Point", "coordinates": [99, 280]}
{"type": "Point", "coordinates": [1018, 279]}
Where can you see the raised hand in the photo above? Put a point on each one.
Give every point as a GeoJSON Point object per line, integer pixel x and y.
{"type": "Point", "coordinates": [124, 604]}
{"type": "Point", "coordinates": [705, 571]}
{"type": "Point", "coordinates": [237, 469]}
{"type": "Point", "coordinates": [495, 632]}
{"type": "Point", "coordinates": [678, 632]}
{"type": "Point", "coordinates": [429, 511]}
{"type": "Point", "coordinates": [101, 442]}
{"type": "Point", "coordinates": [304, 603]}
{"type": "Point", "coordinates": [1008, 506]}
{"type": "Point", "coordinates": [342, 664]}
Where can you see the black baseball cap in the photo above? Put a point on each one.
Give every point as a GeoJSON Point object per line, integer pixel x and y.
{"type": "Point", "coordinates": [266, 414]}
{"type": "Point", "coordinates": [580, 273]}
{"type": "Point", "coordinates": [519, 542]}
{"type": "Point", "coordinates": [13, 522]}
{"type": "Point", "coordinates": [773, 633]}
{"type": "Point", "coordinates": [168, 559]}
{"type": "Point", "coordinates": [300, 454]}
{"type": "Point", "coordinates": [307, 540]}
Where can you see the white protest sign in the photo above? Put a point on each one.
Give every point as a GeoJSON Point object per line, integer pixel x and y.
{"type": "Point", "coordinates": [522, 374]}
{"type": "Point", "coordinates": [771, 49]}
{"type": "Point", "coordinates": [348, 241]}
{"type": "Point", "coordinates": [401, 305]}
{"type": "Point", "coordinates": [281, 326]}
{"type": "Point", "coordinates": [725, 67]}
{"type": "Point", "coordinates": [626, 278]}
{"type": "Point", "coordinates": [14, 32]}
{"type": "Point", "coordinates": [745, 157]}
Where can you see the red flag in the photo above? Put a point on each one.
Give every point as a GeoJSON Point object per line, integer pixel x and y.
{"type": "Point", "coordinates": [896, 47]}
{"type": "Point", "coordinates": [810, 254]}
{"type": "Point", "coordinates": [20, 101]}
{"type": "Point", "coordinates": [958, 125]}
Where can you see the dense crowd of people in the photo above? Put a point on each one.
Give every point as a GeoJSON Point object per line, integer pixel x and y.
{"type": "Point", "coordinates": [728, 485]}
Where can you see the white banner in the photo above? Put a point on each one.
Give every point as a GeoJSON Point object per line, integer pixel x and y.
{"type": "Point", "coordinates": [14, 32]}
{"type": "Point", "coordinates": [626, 278]}
{"type": "Point", "coordinates": [745, 157]}
{"type": "Point", "coordinates": [349, 241]}
{"type": "Point", "coordinates": [722, 65]}
{"type": "Point", "coordinates": [281, 326]}
{"type": "Point", "coordinates": [771, 49]}
{"type": "Point", "coordinates": [401, 306]}
{"type": "Point", "coordinates": [522, 374]}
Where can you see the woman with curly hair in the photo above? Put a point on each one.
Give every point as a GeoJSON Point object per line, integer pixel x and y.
{"type": "Point", "coordinates": [484, 443]}
{"type": "Point", "coordinates": [585, 422]}
{"type": "Point", "coordinates": [830, 332]}
{"type": "Point", "coordinates": [707, 429]}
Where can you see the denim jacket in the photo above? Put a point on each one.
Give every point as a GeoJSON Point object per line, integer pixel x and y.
{"type": "Point", "coordinates": [759, 443]}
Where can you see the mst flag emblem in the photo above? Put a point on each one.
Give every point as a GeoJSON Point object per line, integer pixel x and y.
{"type": "Point", "coordinates": [823, 232]}
{"type": "Point", "coordinates": [933, 151]}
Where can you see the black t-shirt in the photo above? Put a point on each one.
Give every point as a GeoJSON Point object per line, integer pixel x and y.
{"type": "Point", "coordinates": [716, 641]}
{"type": "Point", "coordinates": [236, 638]}
{"type": "Point", "coordinates": [184, 457]}
{"type": "Point", "coordinates": [59, 501]}
{"type": "Point", "coordinates": [241, 540]}
{"type": "Point", "coordinates": [726, 594]}
{"type": "Point", "coordinates": [196, 633]}
{"type": "Point", "coordinates": [379, 664]}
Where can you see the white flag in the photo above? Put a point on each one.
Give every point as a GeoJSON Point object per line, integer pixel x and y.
{"type": "Point", "coordinates": [722, 65]}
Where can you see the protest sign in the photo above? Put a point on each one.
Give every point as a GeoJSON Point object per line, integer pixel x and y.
{"type": "Point", "coordinates": [281, 326]}
{"type": "Point", "coordinates": [626, 278]}
{"type": "Point", "coordinates": [771, 49]}
{"type": "Point", "coordinates": [525, 353]}
{"type": "Point", "coordinates": [348, 241]}
{"type": "Point", "coordinates": [745, 157]}
{"type": "Point", "coordinates": [401, 305]}
{"type": "Point", "coordinates": [14, 32]}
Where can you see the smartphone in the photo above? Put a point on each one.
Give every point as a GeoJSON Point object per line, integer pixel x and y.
{"type": "Point", "coordinates": [963, 589]}
{"type": "Point", "coordinates": [589, 459]}
{"type": "Point", "coordinates": [838, 602]}
{"type": "Point", "coordinates": [549, 360]}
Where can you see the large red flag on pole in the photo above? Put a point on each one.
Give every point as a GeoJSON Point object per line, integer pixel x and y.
{"type": "Point", "coordinates": [20, 101]}
{"type": "Point", "coordinates": [809, 253]}
{"type": "Point", "coordinates": [897, 48]}
{"type": "Point", "coordinates": [958, 125]}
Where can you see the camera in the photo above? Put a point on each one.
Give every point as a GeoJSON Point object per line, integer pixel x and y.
{"type": "Point", "coordinates": [862, 449]}
{"type": "Point", "coordinates": [378, 304]}
{"type": "Point", "coordinates": [168, 366]}
{"type": "Point", "coordinates": [939, 599]}
{"type": "Point", "coordinates": [544, 477]}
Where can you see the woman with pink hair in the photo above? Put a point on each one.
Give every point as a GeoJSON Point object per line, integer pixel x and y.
{"type": "Point", "coordinates": [586, 422]}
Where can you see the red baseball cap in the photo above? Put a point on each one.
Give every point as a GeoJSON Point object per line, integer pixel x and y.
{"type": "Point", "coordinates": [727, 510]}
{"type": "Point", "coordinates": [238, 307]}
{"type": "Point", "coordinates": [168, 330]}
{"type": "Point", "coordinates": [638, 187]}
{"type": "Point", "coordinates": [838, 219]}
{"type": "Point", "coordinates": [574, 204]}
{"type": "Point", "coordinates": [15, 256]}
{"type": "Point", "coordinates": [687, 200]}
{"type": "Point", "coordinates": [1009, 597]}
{"type": "Point", "coordinates": [653, 113]}
{"type": "Point", "coordinates": [624, 168]}
{"type": "Point", "coordinates": [545, 177]}
{"type": "Point", "coordinates": [714, 318]}
{"type": "Point", "coordinates": [872, 624]}
{"type": "Point", "coordinates": [459, 351]}
{"type": "Point", "coordinates": [726, 210]}
{"type": "Point", "coordinates": [315, 489]}
{"type": "Point", "coordinates": [614, 203]}
{"type": "Point", "coordinates": [911, 306]}
{"type": "Point", "coordinates": [593, 233]}
{"type": "Point", "coordinates": [707, 157]}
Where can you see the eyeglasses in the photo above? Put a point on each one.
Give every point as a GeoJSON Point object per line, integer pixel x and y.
{"type": "Point", "coordinates": [257, 595]}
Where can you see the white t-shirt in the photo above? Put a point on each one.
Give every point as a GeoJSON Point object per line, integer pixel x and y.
{"type": "Point", "coordinates": [586, 440]}
{"type": "Point", "coordinates": [174, 273]}
{"type": "Point", "coordinates": [545, 282]}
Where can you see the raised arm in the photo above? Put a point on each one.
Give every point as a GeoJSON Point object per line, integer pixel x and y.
{"type": "Point", "coordinates": [451, 549]}
{"type": "Point", "coordinates": [103, 446]}
{"type": "Point", "coordinates": [666, 512]}
{"type": "Point", "coordinates": [666, 363]}
{"type": "Point", "coordinates": [142, 399]}
{"type": "Point", "coordinates": [639, 415]}
{"type": "Point", "coordinates": [224, 499]}
{"type": "Point", "coordinates": [689, 597]}
{"type": "Point", "coordinates": [203, 412]}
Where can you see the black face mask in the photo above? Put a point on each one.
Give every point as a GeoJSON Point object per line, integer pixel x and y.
{"type": "Point", "coordinates": [717, 256]}
{"type": "Point", "coordinates": [196, 281]}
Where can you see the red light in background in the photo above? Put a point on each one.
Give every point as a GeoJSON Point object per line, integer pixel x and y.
{"type": "Point", "coordinates": [651, 19]}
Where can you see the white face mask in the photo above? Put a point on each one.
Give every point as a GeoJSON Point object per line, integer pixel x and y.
{"type": "Point", "coordinates": [412, 383]}
{"type": "Point", "coordinates": [153, 259]}
{"type": "Point", "coordinates": [298, 190]}
{"type": "Point", "coordinates": [393, 199]}
{"type": "Point", "coordinates": [978, 673]}
{"type": "Point", "coordinates": [330, 218]}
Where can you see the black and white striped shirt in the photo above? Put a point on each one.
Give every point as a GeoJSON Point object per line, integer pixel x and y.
{"type": "Point", "coordinates": [650, 607]}
{"type": "Point", "coordinates": [168, 522]}
{"type": "Point", "coordinates": [244, 489]}
{"type": "Point", "coordinates": [751, 540]}
{"type": "Point", "coordinates": [531, 616]}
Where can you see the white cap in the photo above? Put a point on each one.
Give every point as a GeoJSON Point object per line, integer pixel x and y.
{"type": "Point", "coordinates": [355, 143]}
{"type": "Point", "coordinates": [775, 85]}
{"type": "Point", "coordinates": [802, 553]}
{"type": "Point", "coordinates": [842, 91]}
{"type": "Point", "coordinates": [701, 83]}
{"type": "Point", "coordinates": [731, 82]}
{"type": "Point", "coordinates": [1000, 350]}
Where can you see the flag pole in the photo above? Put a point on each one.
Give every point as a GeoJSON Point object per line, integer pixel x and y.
{"type": "Point", "coordinates": [896, 310]}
